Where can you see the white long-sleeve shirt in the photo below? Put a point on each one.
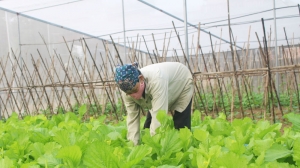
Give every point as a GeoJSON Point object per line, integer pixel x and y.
{"type": "Point", "coordinates": [169, 87]}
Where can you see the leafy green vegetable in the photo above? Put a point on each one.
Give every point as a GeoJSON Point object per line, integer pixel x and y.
{"type": "Point", "coordinates": [170, 143]}
{"type": "Point", "coordinates": [82, 110]}
{"type": "Point", "coordinates": [185, 137]}
{"type": "Point", "coordinates": [49, 160]}
{"type": "Point", "coordinates": [262, 145]}
{"type": "Point", "coordinates": [71, 155]}
{"type": "Point", "coordinates": [136, 155]}
{"type": "Point", "coordinates": [230, 160]}
{"type": "Point", "coordinates": [295, 119]}
{"type": "Point", "coordinates": [100, 155]}
{"type": "Point", "coordinates": [276, 152]}
{"type": "Point", "coordinates": [296, 150]}
{"type": "Point", "coordinates": [65, 140]}
{"type": "Point", "coordinates": [6, 162]}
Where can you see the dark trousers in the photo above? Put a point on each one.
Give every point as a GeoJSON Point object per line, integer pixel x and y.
{"type": "Point", "coordinates": [181, 120]}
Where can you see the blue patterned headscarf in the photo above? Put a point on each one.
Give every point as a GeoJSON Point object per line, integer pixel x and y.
{"type": "Point", "coordinates": [127, 76]}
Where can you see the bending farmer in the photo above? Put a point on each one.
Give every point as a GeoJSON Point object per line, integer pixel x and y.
{"type": "Point", "coordinates": [164, 86]}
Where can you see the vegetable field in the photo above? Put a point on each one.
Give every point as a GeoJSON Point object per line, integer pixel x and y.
{"type": "Point", "coordinates": [69, 140]}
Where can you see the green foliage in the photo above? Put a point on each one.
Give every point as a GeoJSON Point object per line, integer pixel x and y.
{"type": "Point", "coordinates": [295, 120]}
{"type": "Point", "coordinates": [253, 100]}
{"type": "Point", "coordinates": [296, 151]}
{"type": "Point", "coordinates": [64, 140]}
{"type": "Point", "coordinates": [277, 151]}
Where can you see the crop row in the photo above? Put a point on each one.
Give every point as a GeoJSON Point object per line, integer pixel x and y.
{"type": "Point", "coordinates": [66, 140]}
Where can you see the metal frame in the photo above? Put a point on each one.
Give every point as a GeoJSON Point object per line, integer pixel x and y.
{"type": "Point", "coordinates": [183, 21]}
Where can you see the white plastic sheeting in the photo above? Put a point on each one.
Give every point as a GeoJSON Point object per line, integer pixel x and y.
{"type": "Point", "coordinates": [103, 18]}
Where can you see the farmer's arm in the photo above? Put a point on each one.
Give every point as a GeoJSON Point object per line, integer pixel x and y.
{"type": "Point", "coordinates": [133, 119]}
{"type": "Point", "coordinates": [159, 101]}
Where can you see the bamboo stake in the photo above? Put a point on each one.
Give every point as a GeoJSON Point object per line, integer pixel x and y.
{"type": "Point", "coordinates": [44, 94]}
{"type": "Point", "coordinates": [115, 49]}
{"type": "Point", "coordinates": [2, 112]}
{"type": "Point", "coordinates": [157, 61]}
{"type": "Point", "coordinates": [220, 87]}
{"type": "Point", "coordinates": [139, 55]}
{"type": "Point", "coordinates": [211, 89]}
{"type": "Point", "coordinates": [233, 64]}
{"type": "Point", "coordinates": [177, 58]}
{"type": "Point", "coordinates": [135, 58]}
{"type": "Point", "coordinates": [155, 45]}
{"type": "Point", "coordinates": [110, 57]}
{"type": "Point", "coordinates": [137, 41]}
{"type": "Point", "coordinates": [38, 102]}
{"type": "Point", "coordinates": [9, 87]}
{"type": "Point", "coordinates": [88, 78]}
{"type": "Point", "coordinates": [204, 97]}
{"type": "Point", "coordinates": [219, 69]}
{"type": "Point", "coordinates": [182, 47]}
{"type": "Point", "coordinates": [123, 104]}
{"type": "Point", "coordinates": [201, 85]}
{"type": "Point", "coordinates": [269, 72]}
{"type": "Point", "coordinates": [3, 73]}
{"type": "Point", "coordinates": [77, 72]}
{"type": "Point", "coordinates": [244, 83]}
{"type": "Point", "coordinates": [71, 90]}
{"type": "Point", "coordinates": [102, 78]}
{"type": "Point", "coordinates": [197, 49]}
{"type": "Point", "coordinates": [54, 89]}
{"type": "Point", "coordinates": [191, 53]}
{"type": "Point", "coordinates": [26, 82]}
{"type": "Point", "coordinates": [232, 105]}
{"type": "Point", "coordinates": [165, 54]}
{"type": "Point", "coordinates": [7, 100]}
{"type": "Point", "coordinates": [6, 60]}
{"type": "Point", "coordinates": [90, 86]}
{"type": "Point", "coordinates": [67, 76]}
{"type": "Point", "coordinates": [295, 77]}
{"type": "Point", "coordinates": [41, 81]}
{"type": "Point", "coordinates": [63, 92]}
{"type": "Point", "coordinates": [51, 78]}
{"type": "Point", "coordinates": [91, 72]}
{"type": "Point", "coordinates": [18, 82]}
{"type": "Point", "coordinates": [148, 50]}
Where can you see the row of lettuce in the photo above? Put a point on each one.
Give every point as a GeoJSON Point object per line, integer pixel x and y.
{"type": "Point", "coordinates": [64, 140]}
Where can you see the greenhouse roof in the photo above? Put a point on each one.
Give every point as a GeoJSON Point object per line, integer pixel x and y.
{"type": "Point", "coordinates": [153, 20]}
